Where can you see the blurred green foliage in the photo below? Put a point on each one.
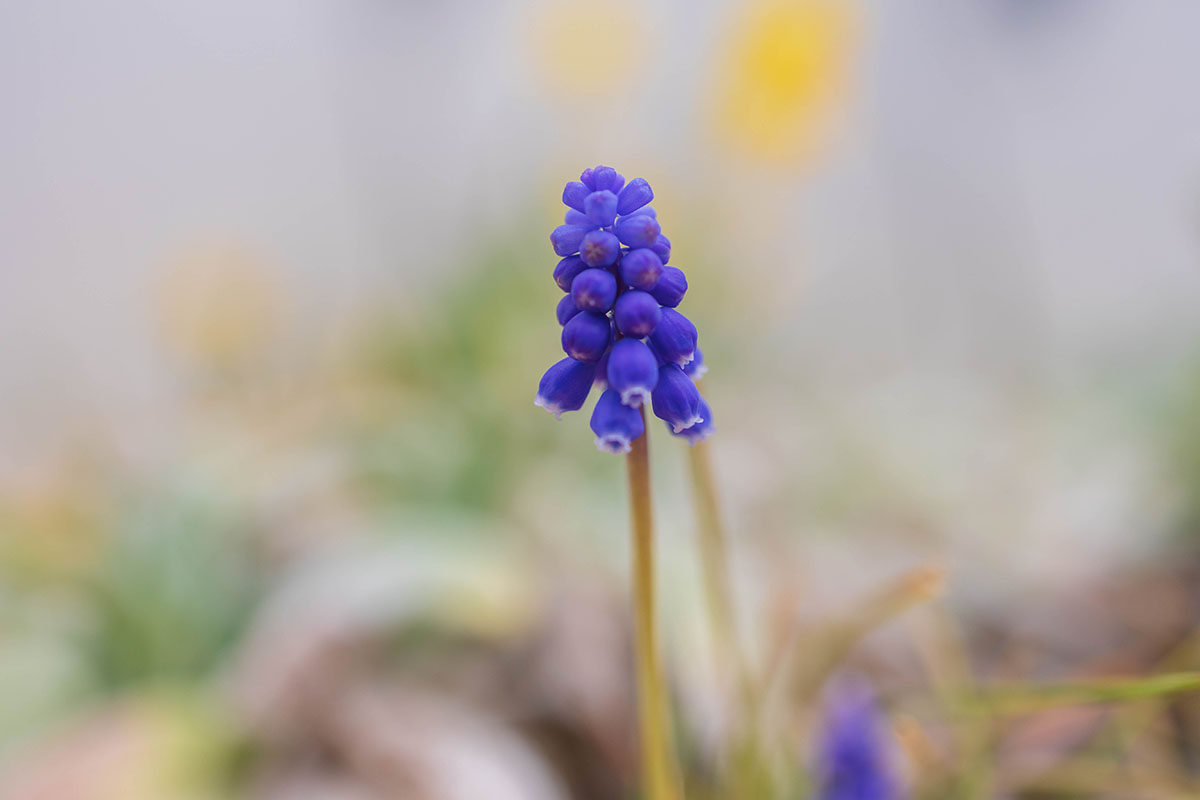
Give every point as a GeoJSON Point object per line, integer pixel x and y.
{"type": "Point", "coordinates": [174, 587]}
{"type": "Point", "coordinates": [463, 366]}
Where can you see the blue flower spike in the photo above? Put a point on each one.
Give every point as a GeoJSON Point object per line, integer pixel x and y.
{"type": "Point", "coordinates": [854, 757]}
{"type": "Point", "coordinates": [620, 330]}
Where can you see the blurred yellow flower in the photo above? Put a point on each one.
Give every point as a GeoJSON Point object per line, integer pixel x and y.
{"type": "Point", "coordinates": [218, 305]}
{"type": "Point", "coordinates": [582, 52]}
{"type": "Point", "coordinates": [780, 72]}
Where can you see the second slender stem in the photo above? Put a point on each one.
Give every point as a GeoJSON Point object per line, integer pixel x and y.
{"type": "Point", "coordinates": [748, 778]}
{"type": "Point", "coordinates": [714, 562]}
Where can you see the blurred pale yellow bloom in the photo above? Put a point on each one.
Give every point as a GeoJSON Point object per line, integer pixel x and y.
{"type": "Point", "coordinates": [584, 51]}
{"type": "Point", "coordinates": [780, 72]}
{"type": "Point", "coordinates": [490, 601]}
{"type": "Point", "coordinates": [219, 305]}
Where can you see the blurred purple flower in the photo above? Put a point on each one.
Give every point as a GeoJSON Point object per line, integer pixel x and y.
{"type": "Point", "coordinates": [854, 754]}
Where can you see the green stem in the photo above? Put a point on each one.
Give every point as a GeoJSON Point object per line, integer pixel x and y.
{"type": "Point", "coordinates": [714, 561]}
{"type": "Point", "coordinates": [748, 779]}
{"type": "Point", "coordinates": [659, 778]}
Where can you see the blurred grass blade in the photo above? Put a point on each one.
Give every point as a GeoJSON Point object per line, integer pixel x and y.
{"type": "Point", "coordinates": [830, 646]}
{"type": "Point", "coordinates": [943, 648]}
{"type": "Point", "coordinates": [825, 648]}
{"type": "Point", "coordinates": [1092, 778]}
{"type": "Point", "coordinates": [1027, 699]}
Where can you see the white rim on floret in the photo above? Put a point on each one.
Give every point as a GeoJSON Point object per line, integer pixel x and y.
{"type": "Point", "coordinates": [613, 443]}
{"type": "Point", "coordinates": [553, 408]}
{"type": "Point", "coordinates": [635, 396]}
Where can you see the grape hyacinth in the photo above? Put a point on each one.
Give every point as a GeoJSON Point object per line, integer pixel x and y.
{"type": "Point", "coordinates": [854, 758]}
{"type": "Point", "coordinates": [621, 331]}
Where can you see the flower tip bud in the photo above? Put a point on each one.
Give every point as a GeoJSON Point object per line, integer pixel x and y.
{"type": "Point", "coordinates": [639, 230]}
{"type": "Point", "coordinates": [586, 336]}
{"type": "Point", "coordinates": [566, 309]}
{"type": "Point", "coordinates": [573, 217]}
{"type": "Point", "coordinates": [641, 269]}
{"type": "Point", "coordinates": [636, 194]}
{"type": "Point", "coordinates": [574, 194]}
{"type": "Point", "coordinates": [566, 270]}
{"type": "Point", "coordinates": [607, 179]}
{"type": "Point", "coordinates": [594, 290]}
{"type": "Point", "coordinates": [601, 208]}
{"type": "Point", "coordinates": [599, 249]}
{"type": "Point", "coordinates": [671, 287]}
{"type": "Point", "coordinates": [662, 248]}
{"type": "Point", "coordinates": [566, 239]}
{"type": "Point", "coordinates": [636, 313]}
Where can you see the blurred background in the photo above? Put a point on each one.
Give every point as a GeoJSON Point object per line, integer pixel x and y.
{"type": "Point", "coordinates": [278, 518]}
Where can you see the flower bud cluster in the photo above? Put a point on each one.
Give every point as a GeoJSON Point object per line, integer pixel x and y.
{"type": "Point", "coordinates": [621, 330]}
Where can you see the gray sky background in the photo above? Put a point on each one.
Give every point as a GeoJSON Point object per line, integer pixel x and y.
{"type": "Point", "coordinates": [1016, 185]}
